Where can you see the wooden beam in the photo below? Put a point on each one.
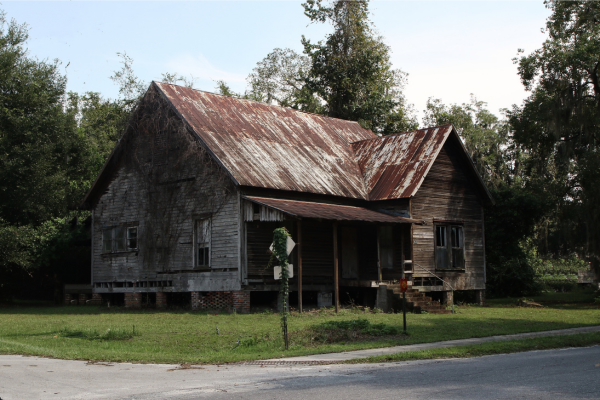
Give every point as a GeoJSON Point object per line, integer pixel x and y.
{"type": "Point", "coordinates": [378, 257]}
{"type": "Point", "coordinates": [300, 265]}
{"type": "Point", "coordinates": [335, 267]}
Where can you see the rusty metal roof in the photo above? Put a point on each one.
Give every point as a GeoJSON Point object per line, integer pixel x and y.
{"type": "Point", "coordinates": [337, 212]}
{"type": "Point", "coordinates": [274, 147]}
{"type": "Point", "coordinates": [395, 166]}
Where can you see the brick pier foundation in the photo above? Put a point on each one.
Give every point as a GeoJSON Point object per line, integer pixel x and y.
{"type": "Point", "coordinates": [480, 297]}
{"type": "Point", "coordinates": [133, 300]}
{"type": "Point", "coordinates": [161, 300]}
{"type": "Point", "coordinates": [241, 301]}
{"type": "Point", "coordinates": [448, 298]}
{"type": "Point", "coordinates": [229, 300]}
{"type": "Point", "coordinates": [96, 299]}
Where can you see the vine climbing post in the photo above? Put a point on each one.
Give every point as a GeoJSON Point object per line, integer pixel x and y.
{"type": "Point", "coordinates": [280, 247]}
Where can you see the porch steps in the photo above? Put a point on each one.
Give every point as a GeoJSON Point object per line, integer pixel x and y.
{"type": "Point", "coordinates": [418, 302]}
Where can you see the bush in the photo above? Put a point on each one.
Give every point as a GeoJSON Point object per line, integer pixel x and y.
{"type": "Point", "coordinates": [557, 274]}
{"type": "Point", "coordinates": [93, 334]}
{"type": "Point", "coordinates": [359, 325]}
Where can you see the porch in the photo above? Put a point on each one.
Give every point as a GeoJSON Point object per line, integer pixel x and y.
{"type": "Point", "coordinates": [338, 248]}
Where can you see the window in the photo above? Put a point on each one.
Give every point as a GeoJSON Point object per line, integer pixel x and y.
{"type": "Point", "coordinates": [449, 247]}
{"type": "Point", "coordinates": [132, 238]}
{"type": "Point", "coordinates": [202, 243]}
{"type": "Point", "coordinates": [119, 238]}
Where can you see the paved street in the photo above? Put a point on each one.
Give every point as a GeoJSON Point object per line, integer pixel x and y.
{"type": "Point", "coordinates": [553, 374]}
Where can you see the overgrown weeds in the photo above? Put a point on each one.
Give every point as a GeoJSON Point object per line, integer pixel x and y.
{"type": "Point", "coordinates": [332, 332]}
{"type": "Point", "coordinates": [94, 334]}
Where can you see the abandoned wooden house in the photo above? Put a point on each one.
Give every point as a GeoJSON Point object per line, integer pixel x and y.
{"type": "Point", "coordinates": [186, 205]}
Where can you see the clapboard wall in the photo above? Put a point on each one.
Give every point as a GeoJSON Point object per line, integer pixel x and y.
{"type": "Point", "coordinates": [126, 201]}
{"type": "Point", "coordinates": [447, 193]}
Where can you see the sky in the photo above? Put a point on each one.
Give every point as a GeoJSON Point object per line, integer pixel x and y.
{"type": "Point", "coordinates": [450, 49]}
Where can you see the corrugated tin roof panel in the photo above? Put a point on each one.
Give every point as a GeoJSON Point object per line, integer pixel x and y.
{"type": "Point", "coordinates": [394, 166]}
{"type": "Point", "coordinates": [337, 212]}
{"type": "Point", "coordinates": [274, 147]}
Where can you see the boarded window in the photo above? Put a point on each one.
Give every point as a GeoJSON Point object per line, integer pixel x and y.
{"type": "Point", "coordinates": [107, 240]}
{"type": "Point", "coordinates": [449, 247]}
{"type": "Point", "coordinates": [458, 251]}
{"type": "Point", "coordinates": [202, 243]}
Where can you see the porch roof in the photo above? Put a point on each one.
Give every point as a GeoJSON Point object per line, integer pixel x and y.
{"type": "Point", "coordinates": [337, 212]}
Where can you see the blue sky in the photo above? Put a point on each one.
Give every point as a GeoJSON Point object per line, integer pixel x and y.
{"type": "Point", "coordinates": [449, 48]}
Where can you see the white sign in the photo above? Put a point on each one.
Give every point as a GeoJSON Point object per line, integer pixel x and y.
{"type": "Point", "coordinates": [277, 271]}
{"type": "Point", "coordinates": [290, 244]}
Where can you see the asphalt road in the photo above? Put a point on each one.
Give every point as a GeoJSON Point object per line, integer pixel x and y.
{"type": "Point", "coordinates": [552, 374]}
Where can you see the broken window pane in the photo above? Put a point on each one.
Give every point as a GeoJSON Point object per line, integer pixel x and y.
{"type": "Point", "coordinates": [457, 236]}
{"type": "Point", "coordinates": [132, 238]}
{"type": "Point", "coordinates": [440, 236]}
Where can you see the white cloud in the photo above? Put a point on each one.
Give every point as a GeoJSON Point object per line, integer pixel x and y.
{"type": "Point", "coordinates": [200, 68]}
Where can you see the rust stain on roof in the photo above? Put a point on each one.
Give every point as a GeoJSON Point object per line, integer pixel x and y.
{"type": "Point", "coordinates": [274, 147]}
{"type": "Point", "coordinates": [395, 166]}
{"type": "Point", "coordinates": [337, 212]}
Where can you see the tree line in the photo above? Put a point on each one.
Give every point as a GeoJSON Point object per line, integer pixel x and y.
{"type": "Point", "coordinates": [540, 159]}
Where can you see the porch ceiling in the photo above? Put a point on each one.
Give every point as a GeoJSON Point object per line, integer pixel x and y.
{"type": "Point", "coordinates": [337, 212]}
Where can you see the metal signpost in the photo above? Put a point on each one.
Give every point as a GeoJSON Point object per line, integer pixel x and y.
{"type": "Point", "coordinates": [403, 288]}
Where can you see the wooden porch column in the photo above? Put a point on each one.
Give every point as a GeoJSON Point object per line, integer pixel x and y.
{"type": "Point", "coordinates": [335, 267]}
{"type": "Point", "coordinates": [300, 264]}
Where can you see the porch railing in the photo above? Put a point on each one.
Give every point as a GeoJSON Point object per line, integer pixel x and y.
{"type": "Point", "coordinates": [440, 278]}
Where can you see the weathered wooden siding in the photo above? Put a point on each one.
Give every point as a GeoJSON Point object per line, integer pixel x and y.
{"type": "Point", "coordinates": [446, 194]}
{"type": "Point", "coordinates": [317, 251]}
{"type": "Point", "coordinates": [126, 201]}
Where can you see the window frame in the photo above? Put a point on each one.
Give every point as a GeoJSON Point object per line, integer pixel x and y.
{"type": "Point", "coordinates": [449, 229]}
{"type": "Point", "coordinates": [119, 238]}
{"type": "Point", "coordinates": [206, 262]}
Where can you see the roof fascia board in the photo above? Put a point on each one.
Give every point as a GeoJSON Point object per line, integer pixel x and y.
{"type": "Point", "coordinates": [436, 154]}
{"type": "Point", "coordinates": [270, 206]}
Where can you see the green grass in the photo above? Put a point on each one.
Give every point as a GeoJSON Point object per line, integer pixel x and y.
{"type": "Point", "coordinates": [568, 299]}
{"type": "Point", "coordinates": [504, 347]}
{"type": "Point", "coordinates": [84, 332]}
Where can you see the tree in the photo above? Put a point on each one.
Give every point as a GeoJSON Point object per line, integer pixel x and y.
{"type": "Point", "coordinates": [351, 71]}
{"type": "Point", "coordinates": [559, 126]}
{"type": "Point", "coordinates": [44, 159]}
{"type": "Point", "coordinates": [280, 79]}
{"type": "Point", "coordinates": [511, 221]}
{"type": "Point", "coordinates": [507, 225]}
{"type": "Point", "coordinates": [131, 88]}
{"type": "Point", "coordinates": [486, 137]}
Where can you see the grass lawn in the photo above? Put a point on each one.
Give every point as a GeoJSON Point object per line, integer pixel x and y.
{"type": "Point", "coordinates": [116, 334]}
{"type": "Point", "coordinates": [509, 346]}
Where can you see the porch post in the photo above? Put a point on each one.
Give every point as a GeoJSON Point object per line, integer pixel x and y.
{"type": "Point", "coordinates": [300, 264]}
{"type": "Point", "coordinates": [335, 266]}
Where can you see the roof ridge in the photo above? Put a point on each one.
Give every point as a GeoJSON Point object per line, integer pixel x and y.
{"type": "Point", "coordinates": [403, 133]}
{"type": "Point", "coordinates": [266, 104]}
